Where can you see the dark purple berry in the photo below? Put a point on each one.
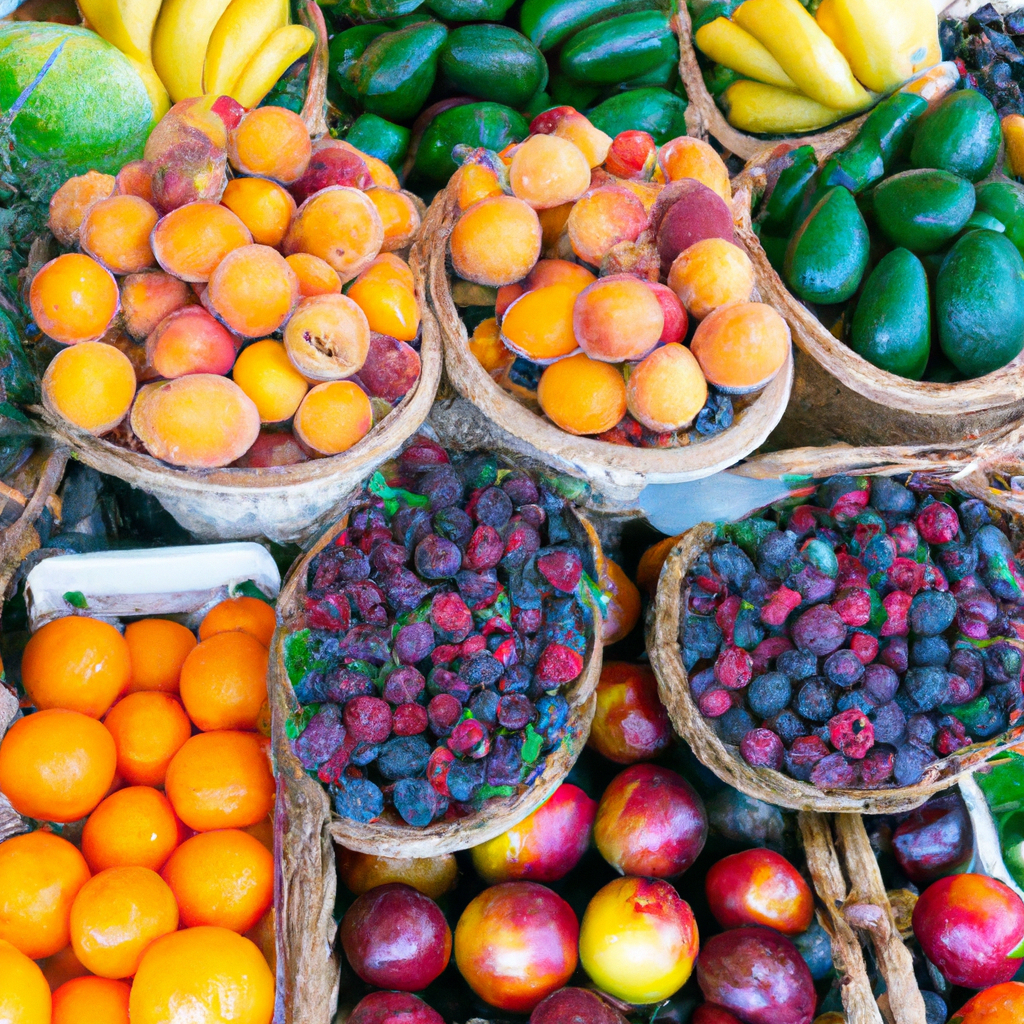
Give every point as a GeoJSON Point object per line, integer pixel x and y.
{"type": "Point", "coordinates": [368, 719]}
{"type": "Point", "coordinates": [732, 564]}
{"type": "Point", "coordinates": [812, 585]}
{"type": "Point", "coordinates": [748, 631]}
{"type": "Point", "coordinates": [858, 698]}
{"type": "Point", "coordinates": [342, 684]}
{"type": "Point", "coordinates": [819, 630]}
{"type": "Point", "coordinates": [417, 802]}
{"type": "Point", "coordinates": [925, 688]}
{"type": "Point", "coordinates": [762, 748]}
{"type": "Point", "coordinates": [881, 682]}
{"type": "Point", "coordinates": [521, 542]}
{"type": "Point", "coordinates": [437, 558]}
{"type": "Point", "coordinates": [1002, 663]}
{"type": "Point", "coordinates": [910, 765]}
{"type": "Point", "coordinates": [816, 700]}
{"type": "Point", "coordinates": [367, 601]}
{"type": "Point", "coordinates": [888, 495]}
{"type": "Point", "coordinates": [877, 767]}
{"type": "Point", "coordinates": [413, 643]}
{"type": "Point", "coordinates": [932, 612]}
{"type": "Point", "coordinates": [974, 515]}
{"type": "Point", "coordinates": [890, 723]}
{"type": "Point", "coordinates": [493, 507]}
{"type": "Point", "coordinates": [843, 668]}
{"type": "Point", "coordinates": [938, 523]}
{"type": "Point", "coordinates": [851, 733]}
{"type": "Point", "coordinates": [367, 643]}
{"type": "Point", "coordinates": [410, 526]}
{"type": "Point", "coordinates": [777, 554]}
{"type": "Point", "coordinates": [930, 651]}
{"type": "Point", "coordinates": [365, 753]}
{"type": "Point", "coordinates": [322, 736]}
{"type": "Point", "coordinates": [797, 665]}
{"type": "Point", "coordinates": [767, 651]}
{"type": "Point", "coordinates": [422, 454]}
{"type": "Point", "coordinates": [517, 679]}
{"type": "Point", "coordinates": [977, 609]}
{"type": "Point", "coordinates": [804, 753]}
{"type": "Point", "coordinates": [403, 589]}
{"type": "Point", "coordinates": [514, 711]}
{"type": "Point", "coordinates": [465, 779]}
{"type": "Point", "coordinates": [453, 524]}
{"type": "Point", "coordinates": [521, 489]}
{"type": "Point", "coordinates": [896, 654]}
{"type": "Point", "coordinates": [477, 588]}
{"type": "Point", "coordinates": [442, 486]}
{"type": "Point", "coordinates": [834, 772]}
{"type": "Point", "coordinates": [481, 669]}
{"type": "Point", "coordinates": [789, 725]}
{"type": "Point", "coordinates": [880, 553]}
{"type": "Point", "coordinates": [484, 549]}
{"type": "Point", "coordinates": [734, 725]}
{"type": "Point", "coordinates": [484, 706]}
{"type": "Point", "coordinates": [443, 712]}
{"type": "Point", "coordinates": [768, 694]}
{"type": "Point", "coordinates": [504, 764]}
{"type": "Point", "coordinates": [388, 556]}
{"type": "Point", "coordinates": [409, 720]}
{"type": "Point", "coordinates": [358, 799]}
{"type": "Point", "coordinates": [404, 757]}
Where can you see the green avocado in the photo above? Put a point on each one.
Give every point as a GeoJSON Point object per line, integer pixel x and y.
{"type": "Point", "coordinates": [979, 303]}
{"type": "Point", "coordinates": [493, 62]}
{"type": "Point", "coordinates": [624, 47]}
{"type": "Point", "coordinates": [382, 139]}
{"type": "Point", "coordinates": [922, 210]}
{"type": "Point", "coordinates": [470, 10]}
{"type": "Point", "coordinates": [892, 324]}
{"type": "Point", "coordinates": [828, 254]}
{"type": "Point", "coordinates": [1004, 200]}
{"type": "Point", "coordinates": [657, 111]}
{"type": "Point", "coordinates": [490, 125]}
{"type": "Point", "coordinates": [961, 135]}
{"type": "Point", "coordinates": [548, 23]}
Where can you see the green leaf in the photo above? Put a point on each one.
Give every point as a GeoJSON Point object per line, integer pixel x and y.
{"type": "Point", "coordinates": [487, 792]}
{"type": "Point", "coordinates": [249, 589]}
{"type": "Point", "coordinates": [531, 744]}
{"type": "Point", "coordinates": [76, 599]}
{"type": "Point", "coordinates": [393, 495]}
{"type": "Point", "coordinates": [1018, 952]}
{"type": "Point", "coordinates": [296, 723]}
{"type": "Point", "coordinates": [297, 655]}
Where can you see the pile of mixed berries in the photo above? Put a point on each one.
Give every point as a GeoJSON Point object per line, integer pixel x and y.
{"type": "Point", "coordinates": [854, 637]}
{"type": "Point", "coordinates": [440, 627]}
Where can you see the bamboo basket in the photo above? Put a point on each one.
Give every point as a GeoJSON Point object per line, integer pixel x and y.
{"type": "Point", "coordinates": [964, 472]}
{"type": "Point", "coordinates": [616, 473]}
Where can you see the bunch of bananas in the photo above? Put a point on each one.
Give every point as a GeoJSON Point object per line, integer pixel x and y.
{"type": "Point", "coordinates": [790, 71]}
{"type": "Point", "coordinates": [184, 48]}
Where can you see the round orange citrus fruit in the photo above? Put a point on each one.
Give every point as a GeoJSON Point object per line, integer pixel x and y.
{"type": "Point", "coordinates": [224, 681]}
{"type": "Point", "coordinates": [131, 827]}
{"type": "Point", "coordinates": [91, 1001]}
{"type": "Point", "coordinates": [148, 729]}
{"type": "Point", "coordinates": [24, 994]}
{"type": "Point", "coordinates": [158, 648]}
{"type": "Point", "coordinates": [248, 614]}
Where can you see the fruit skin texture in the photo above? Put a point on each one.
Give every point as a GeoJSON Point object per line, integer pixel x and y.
{"type": "Point", "coordinates": [361, 872]}
{"type": "Point", "coordinates": [650, 822]}
{"type": "Point", "coordinates": [962, 135]}
{"type": "Point", "coordinates": [56, 765]}
{"type": "Point", "coordinates": [667, 389]}
{"type": "Point", "coordinates": [73, 298]}
{"type": "Point", "coordinates": [630, 724]}
{"type": "Point", "coordinates": [1000, 1004]}
{"type": "Point", "coordinates": [96, 409]}
{"type": "Point", "coordinates": [395, 937]}
{"type": "Point", "coordinates": [76, 663]}
{"type": "Point", "coordinates": [758, 975]}
{"type": "Point", "coordinates": [582, 395]}
{"type": "Point", "coordinates": [638, 940]}
{"type": "Point", "coordinates": [496, 241]}
{"type": "Point", "coordinates": [759, 887]}
{"type": "Point", "coordinates": [575, 1006]}
{"type": "Point", "coordinates": [249, 614]}
{"type": "Point", "coordinates": [91, 1000]}
{"type": "Point", "coordinates": [393, 1008]}
{"type": "Point", "coordinates": [149, 728]}
{"type": "Point", "coordinates": [923, 209]}
{"type": "Point", "coordinates": [224, 682]}
{"type": "Point", "coordinates": [133, 827]}
{"type": "Point", "coordinates": [741, 347]}
{"type": "Point", "coordinates": [543, 847]}
{"type": "Point", "coordinates": [515, 944]}
{"type": "Point", "coordinates": [25, 996]}
{"type": "Point", "coordinates": [967, 925]}
{"type": "Point", "coordinates": [40, 875]}
{"type": "Point", "coordinates": [222, 975]}
{"type": "Point", "coordinates": [158, 648]}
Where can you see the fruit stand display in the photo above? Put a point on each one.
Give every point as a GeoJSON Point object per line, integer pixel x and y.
{"type": "Point", "coordinates": [428, 305]}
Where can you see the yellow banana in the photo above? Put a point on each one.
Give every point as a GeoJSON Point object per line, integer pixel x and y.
{"type": "Point", "coordinates": [242, 29]}
{"type": "Point", "coordinates": [154, 86]}
{"type": "Point", "coordinates": [756, 107]}
{"type": "Point", "coordinates": [271, 61]}
{"type": "Point", "coordinates": [180, 39]}
{"type": "Point", "coordinates": [805, 53]}
{"type": "Point", "coordinates": [727, 44]}
{"type": "Point", "coordinates": [884, 42]}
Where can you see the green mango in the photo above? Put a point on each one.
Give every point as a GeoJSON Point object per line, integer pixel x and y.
{"type": "Point", "coordinates": [489, 125]}
{"type": "Point", "coordinates": [922, 210]}
{"type": "Point", "coordinates": [567, 92]}
{"type": "Point", "coordinates": [986, 221]}
{"type": "Point", "coordinates": [828, 254]}
{"type": "Point", "coordinates": [892, 324]}
{"type": "Point", "coordinates": [656, 111]}
{"type": "Point", "coordinates": [548, 23]}
{"type": "Point", "coordinates": [1004, 200]}
{"type": "Point", "coordinates": [395, 73]}
{"type": "Point", "coordinates": [624, 47]}
{"type": "Point", "coordinates": [855, 167]}
{"type": "Point", "coordinates": [470, 10]}
{"type": "Point", "coordinates": [493, 62]}
{"type": "Point", "coordinates": [979, 303]}
{"type": "Point", "coordinates": [375, 10]}
{"type": "Point", "coordinates": [351, 44]}
{"type": "Point", "coordinates": [891, 122]}
{"type": "Point", "coordinates": [774, 248]}
{"type": "Point", "coordinates": [382, 139]}
{"type": "Point", "coordinates": [664, 76]}
{"type": "Point", "coordinates": [962, 135]}
{"type": "Point", "coordinates": [784, 201]}
{"type": "Point", "coordinates": [703, 13]}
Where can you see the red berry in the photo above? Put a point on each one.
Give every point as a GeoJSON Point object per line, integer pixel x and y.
{"type": "Point", "coordinates": [853, 606]}
{"type": "Point", "coordinates": [897, 605]}
{"type": "Point", "coordinates": [715, 703]}
{"type": "Point", "coordinates": [470, 738]}
{"type": "Point", "coordinates": [762, 748]}
{"type": "Point", "coordinates": [938, 523]}
{"type": "Point", "coordinates": [865, 646]}
{"type": "Point", "coordinates": [734, 668]}
{"type": "Point", "coordinates": [558, 665]}
{"type": "Point", "coordinates": [562, 569]}
{"type": "Point", "coordinates": [368, 719]}
{"type": "Point", "coordinates": [409, 720]}
{"type": "Point", "coordinates": [851, 733]}
{"type": "Point", "coordinates": [776, 609]}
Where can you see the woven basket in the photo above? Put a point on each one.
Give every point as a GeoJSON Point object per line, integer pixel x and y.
{"type": "Point", "coordinates": [960, 471]}
{"type": "Point", "coordinates": [616, 473]}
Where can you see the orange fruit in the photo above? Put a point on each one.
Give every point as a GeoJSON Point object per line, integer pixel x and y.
{"type": "Point", "coordinates": [24, 994]}
{"type": "Point", "coordinates": [76, 663]}
{"type": "Point", "coordinates": [115, 917]}
{"type": "Point", "coordinates": [202, 976]}
{"type": "Point", "coordinates": [224, 681]}
{"type": "Point", "coordinates": [221, 780]}
{"type": "Point", "coordinates": [56, 765]}
{"type": "Point", "coordinates": [149, 728]}
{"type": "Point", "coordinates": [40, 875]}
{"type": "Point", "coordinates": [248, 614]}
{"type": "Point", "coordinates": [223, 878]}
{"type": "Point", "coordinates": [159, 648]}
{"type": "Point", "coordinates": [91, 1001]}
{"type": "Point", "coordinates": [132, 827]}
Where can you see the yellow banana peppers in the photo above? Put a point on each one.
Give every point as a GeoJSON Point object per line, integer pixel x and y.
{"type": "Point", "coordinates": [756, 107]}
{"type": "Point", "coordinates": [727, 44]}
{"type": "Point", "coordinates": [180, 39]}
{"type": "Point", "coordinates": [242, 29]}
{"type": "Point", "coordinates": [272, 59]}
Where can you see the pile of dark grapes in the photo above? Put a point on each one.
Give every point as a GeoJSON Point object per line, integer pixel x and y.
{"type": "Point", "coordinates": [853, 640]}
{"type": "Point", "coordinates": [987, 50]}
{"type": "Point", "coordinates": [440, 627]}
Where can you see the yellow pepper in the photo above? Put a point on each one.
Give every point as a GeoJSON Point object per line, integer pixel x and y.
{"type": "Point", "coordinates": [727, 44]}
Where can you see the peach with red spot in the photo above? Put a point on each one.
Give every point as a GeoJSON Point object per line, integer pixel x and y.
{"type": "Point", "coordinates": [759, 887]}
{"type": "Point", "coordinates": [633, 154]}
{"type": "Point", "coordinates": [999, 1004]}
{"type": "Point", "coordinates": [617, 318]}
{"type": "Point", "coordinates": [630, 724]}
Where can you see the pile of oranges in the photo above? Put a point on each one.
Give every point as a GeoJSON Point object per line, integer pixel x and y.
{"type": "Point", "coordinates": [620, 293]}
{"type": "Point", "coordinates": [202, 315]}
{"type": "Point", "coordinates": [143, 764]}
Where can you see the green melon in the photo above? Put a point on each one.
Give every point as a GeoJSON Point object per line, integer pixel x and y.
{"type": "Point", "coordinates": [91, 110]}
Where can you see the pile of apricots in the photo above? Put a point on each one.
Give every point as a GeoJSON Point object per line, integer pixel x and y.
{"type": "Point", "coordinates": [143, 891]}
{"type": "Point", "coordinates": [623, 305]}
{"type": "Point", "coordinates": [200, 301]}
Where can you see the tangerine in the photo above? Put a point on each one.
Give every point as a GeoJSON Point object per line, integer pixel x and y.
{"type": "Point", "coordinates": [149, 728]}
{"type": "Point", "coordinates": [24, 994]}
{"type": "Point", "coordinates": [133, 827]}
{"type": "Point", "coordinates": [224, 681]}
{"type": "Point", "coordinates": [158, 649]}
{"type": "Point", "coordinates": [248, 614]}
{"type": "Point", "coordinates": [91, 1001]}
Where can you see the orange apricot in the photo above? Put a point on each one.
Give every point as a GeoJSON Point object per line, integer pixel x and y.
{"type": "Point", "coordinates": [266, 374]}
{"type": "Point", "coordinates": [224, 681]}
{"type": "Point", "coordinates": [496, 241]}
{"type": "Point", "coordinates": [489, 349]}
{"type": "Point", "coordinates": [187, 151]}
{"type": "Point", "coordinates": [327, 337]}
{"type": "Point", "coordinates": [380, 173]}
{"type": "Point", "coordinates": [604, 218]}
{"type": "Point", "coordinates": [618, 318]}
{"type": "Point", "coordinates": [73, 298]}
{"type": "Point", "coordinates": [538, 325]}
{"type": "Point", "coordinates": [91, 385]}
{"type": "Point", "coordinates": [190, 241]}
{"type": "Point", "coordinates": [711, 273]}
{"type": "Point", "coordinates": [475, 182]}
{"type": "Point", "coordinates": [340, 225]}
{"type": "Point", "coordinates": [72, 201]}
{"type": "Point", "coordinates": [263, 206]}
{"type": "Point", "coordinates": [147, 298]}
{"type": "Point", "coordinates": [559, 272]}
{"type": "Point", "coordinates": [390, 306]}
{"type": "Point", "coordinates": [116, 233]}
{"type": "Point", "coordinates": [333, 417]}
{"type": "Point", "coordinates": [687, 157]}
{"type": "Point", "coordinates": [399, 215]}
{"type": "Point", "coordinates": [590, 140]}
{"type": "Point", "coordinates": [201, 421]}
{"type": "Point", "coordinates": [388, 266]}
{"type": "Point", "coordinates": [742, 346]}
{"type": "Point", "coordinates": [190, 340]}
{"type": "Point", "coordinates": [135, 179]}
{"type": "Point", "coordinates": [666, 390]}
{"type": "Point", "coordinates": [316, 276]}
{"type": "Point", "coordinates": [548, 171]}
{"type": "Point", "coordinates": [134, 826]}
{"type": "Point", "coordinates": [253, 291]}
{"type": "Point", "coordinates": [507, 294]}
{"type": "Point", "coordinates": [581, 395]}
{"type": "Point", "coordinates": [272, 142]}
